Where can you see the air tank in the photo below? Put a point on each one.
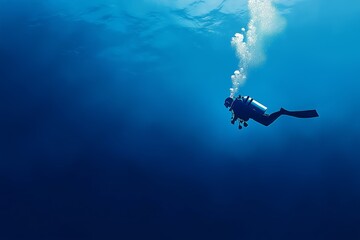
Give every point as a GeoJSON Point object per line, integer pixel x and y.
{"type": "Point", "coordinates": [255, 105]}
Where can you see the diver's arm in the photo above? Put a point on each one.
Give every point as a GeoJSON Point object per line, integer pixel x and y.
{"type": "Point", "coordinates": [234, 118]}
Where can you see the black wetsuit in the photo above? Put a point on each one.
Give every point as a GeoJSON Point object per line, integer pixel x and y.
{"type": "Point", "coordinates": [245, 112]}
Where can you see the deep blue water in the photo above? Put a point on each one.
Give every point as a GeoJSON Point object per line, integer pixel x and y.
{"type": "Point", "coordinates": [113, 124]}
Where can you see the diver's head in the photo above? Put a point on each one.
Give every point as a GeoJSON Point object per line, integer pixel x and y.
{"type": "Point", "coordinates": [228, 102]}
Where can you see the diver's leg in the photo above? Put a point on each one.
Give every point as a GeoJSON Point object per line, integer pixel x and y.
{"type": "Point", "coordinates": [272, 117]}
{"type": "Point", "coordinates": [268, 119]}
{"type": "Point", "coordinates": [265, 119]}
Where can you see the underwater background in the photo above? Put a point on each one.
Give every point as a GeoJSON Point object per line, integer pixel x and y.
{"type": "Point", "coordinates": [112, 123]}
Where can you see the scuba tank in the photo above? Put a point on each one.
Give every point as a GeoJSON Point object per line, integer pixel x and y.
{"type": "Point", "coordinates": [253, 104]}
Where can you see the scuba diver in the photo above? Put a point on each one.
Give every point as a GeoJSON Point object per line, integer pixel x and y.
{"type": "Point", "coordinates": [244, 108]}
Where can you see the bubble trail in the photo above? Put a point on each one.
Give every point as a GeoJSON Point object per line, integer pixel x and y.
{"type": "Point", "coordinates": [265, 21]}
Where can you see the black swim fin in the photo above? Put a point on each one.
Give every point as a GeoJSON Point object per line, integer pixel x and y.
{"type": "Point", "coordinates": [301, 114]}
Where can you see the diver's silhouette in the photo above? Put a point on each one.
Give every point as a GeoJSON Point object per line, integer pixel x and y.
{"type": "Point", "coordinates": [244, 108]}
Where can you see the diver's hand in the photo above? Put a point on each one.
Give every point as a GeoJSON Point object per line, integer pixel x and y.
{"type": "Point", "coordinates": [233, 120]}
